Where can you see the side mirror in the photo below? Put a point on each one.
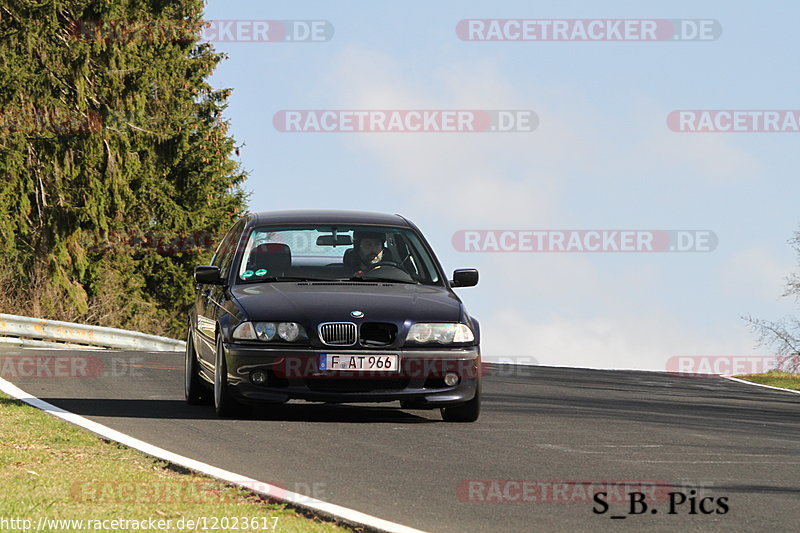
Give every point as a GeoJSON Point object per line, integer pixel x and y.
{"type": "Point", "coordinates": [207, 275]}
{"type": "Point", "coordinates": [465, 277]}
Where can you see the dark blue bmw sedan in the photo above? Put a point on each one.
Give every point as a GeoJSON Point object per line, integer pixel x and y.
{"type": "Point", "coordinates": [331, 306]}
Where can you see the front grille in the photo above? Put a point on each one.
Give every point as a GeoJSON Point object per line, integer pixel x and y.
{"type": "Point", "coordinates": [338, 333]}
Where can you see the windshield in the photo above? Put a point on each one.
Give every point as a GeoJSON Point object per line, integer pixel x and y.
{"type": "Point", "coordinates": [326, 253]}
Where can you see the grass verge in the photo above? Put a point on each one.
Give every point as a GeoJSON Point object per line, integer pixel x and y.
{"type": "Point", "coordinates": [53, 471]}
{"type": "Point", "coordinates": [774, 378]}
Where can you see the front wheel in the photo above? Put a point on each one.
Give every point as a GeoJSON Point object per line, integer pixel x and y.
{"type": "Point", "coordinates": [194, 390]}
{"type": "Point", "coordinates": [224, 404]}
{"type": "Point", "coordinates": [466, 412]}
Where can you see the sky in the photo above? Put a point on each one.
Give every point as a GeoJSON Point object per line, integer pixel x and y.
{"type": "Point", "coordinates": [602, 157]}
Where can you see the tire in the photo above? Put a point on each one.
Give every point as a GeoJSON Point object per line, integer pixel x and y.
{"type": "Point", "coordinates": [195, 391]}
{"type": "Point", "coordinates": [466, 412]}
{"type": "Point", "coordinates": [224, 404]}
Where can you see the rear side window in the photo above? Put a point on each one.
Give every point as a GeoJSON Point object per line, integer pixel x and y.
{"type": "Point", "coordinates": [223, 258]}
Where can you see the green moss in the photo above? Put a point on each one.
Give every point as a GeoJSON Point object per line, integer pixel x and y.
{"type": "Point", "coordinates": [774, 378]}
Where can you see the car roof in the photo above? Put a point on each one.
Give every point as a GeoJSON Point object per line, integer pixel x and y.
{"type": "Point", "coordinates": [328, 216]}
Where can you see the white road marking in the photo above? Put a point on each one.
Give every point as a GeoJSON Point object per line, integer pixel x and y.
{"type": "Point", "coordinates": [631, 445]}
{"type": "Point", "coordinates": [325, 509]}
{"type": "Point", "coordinates": [737, 380]}
{"type": "Point", "coordinates": [722, 462]}
{"type": "Point", "coordinates": [564, 448]}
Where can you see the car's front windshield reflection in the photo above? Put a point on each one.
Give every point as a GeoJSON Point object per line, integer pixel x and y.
{"type": "Point", "coordinates": [326, 253]}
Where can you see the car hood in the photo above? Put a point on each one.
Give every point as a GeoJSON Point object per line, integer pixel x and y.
{"type": "Point", "coordinates": [316, 302]}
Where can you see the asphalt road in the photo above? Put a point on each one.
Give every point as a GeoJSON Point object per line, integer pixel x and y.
{"type": "Point", "coordinates": [558, 429]}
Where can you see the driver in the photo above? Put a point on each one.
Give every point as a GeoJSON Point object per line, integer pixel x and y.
{"type": "Point", "coordinates": [369, 250]}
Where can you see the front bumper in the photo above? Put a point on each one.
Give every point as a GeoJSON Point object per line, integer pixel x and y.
{"type": "Point", "coordinates": [293, 373]}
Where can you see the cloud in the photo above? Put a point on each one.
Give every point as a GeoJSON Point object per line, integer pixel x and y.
{"type": "Point", "coordinates": [516, 178]}
{"type": "Point", "coordinates": [653, 149]}
{"type": "Point", "coordinates": [501, 178]}
{"type": "Point", "coordinates": [757, 272]}
{"type": "Point", "coordinates": [619, 341]}
{"type": "Point", "coordinates": [567, 309]}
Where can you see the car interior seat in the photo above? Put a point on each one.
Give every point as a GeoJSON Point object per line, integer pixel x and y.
{"type": "Point", "coordinates": [275, 258]}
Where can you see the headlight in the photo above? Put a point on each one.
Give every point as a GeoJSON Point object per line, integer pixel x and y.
{"type": "Point", "coordinates": [266, 330]}
{"type": "Point", "coordinates": [269, 331]}
{"type": "Point", "coordinates": [439, 333]}
{"type": "Point", "coordinates": [244, 332]}
{"type": "Point", "coordinates": [289, 331]}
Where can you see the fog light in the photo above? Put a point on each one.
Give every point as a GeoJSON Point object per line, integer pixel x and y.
{"type": "Point", "coordinates": [259, 377]}
{"type": "Point", "coordinates": [450, 379]}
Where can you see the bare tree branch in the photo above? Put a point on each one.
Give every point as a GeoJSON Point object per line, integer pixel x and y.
{"type": "Point", "coordinates": [783, 335]}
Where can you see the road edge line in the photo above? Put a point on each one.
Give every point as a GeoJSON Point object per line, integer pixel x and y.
{"type": "Point", "coordinates": [325, 509]}
{"type": "Point", "coordinates": [760, 384]}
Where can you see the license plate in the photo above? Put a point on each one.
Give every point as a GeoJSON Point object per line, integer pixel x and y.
{"type": "Point", "coordinates": [372, 363]}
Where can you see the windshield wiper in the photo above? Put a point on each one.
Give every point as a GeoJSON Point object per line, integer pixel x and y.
{"type": "Point", "coordinates": [281, 279]}
{"type": "Point", "coordinates": [273, 279]}
{"type": "Point", "coordinates": [383, 280]}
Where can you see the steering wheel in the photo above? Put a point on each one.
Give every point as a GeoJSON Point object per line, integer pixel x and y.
{"type": "Point", "coordinates": [384, 263]}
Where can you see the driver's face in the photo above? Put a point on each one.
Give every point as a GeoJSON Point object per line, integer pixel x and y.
{"type": "Point", "coordinates": [370, 250]}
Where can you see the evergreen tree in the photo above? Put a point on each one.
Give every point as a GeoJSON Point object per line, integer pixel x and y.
{"type": "Point", "coordinates": [109, 130]}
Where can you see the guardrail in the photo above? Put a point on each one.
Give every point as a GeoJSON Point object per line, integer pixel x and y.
{"type": "Point", "coordinates": [26, 331]}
